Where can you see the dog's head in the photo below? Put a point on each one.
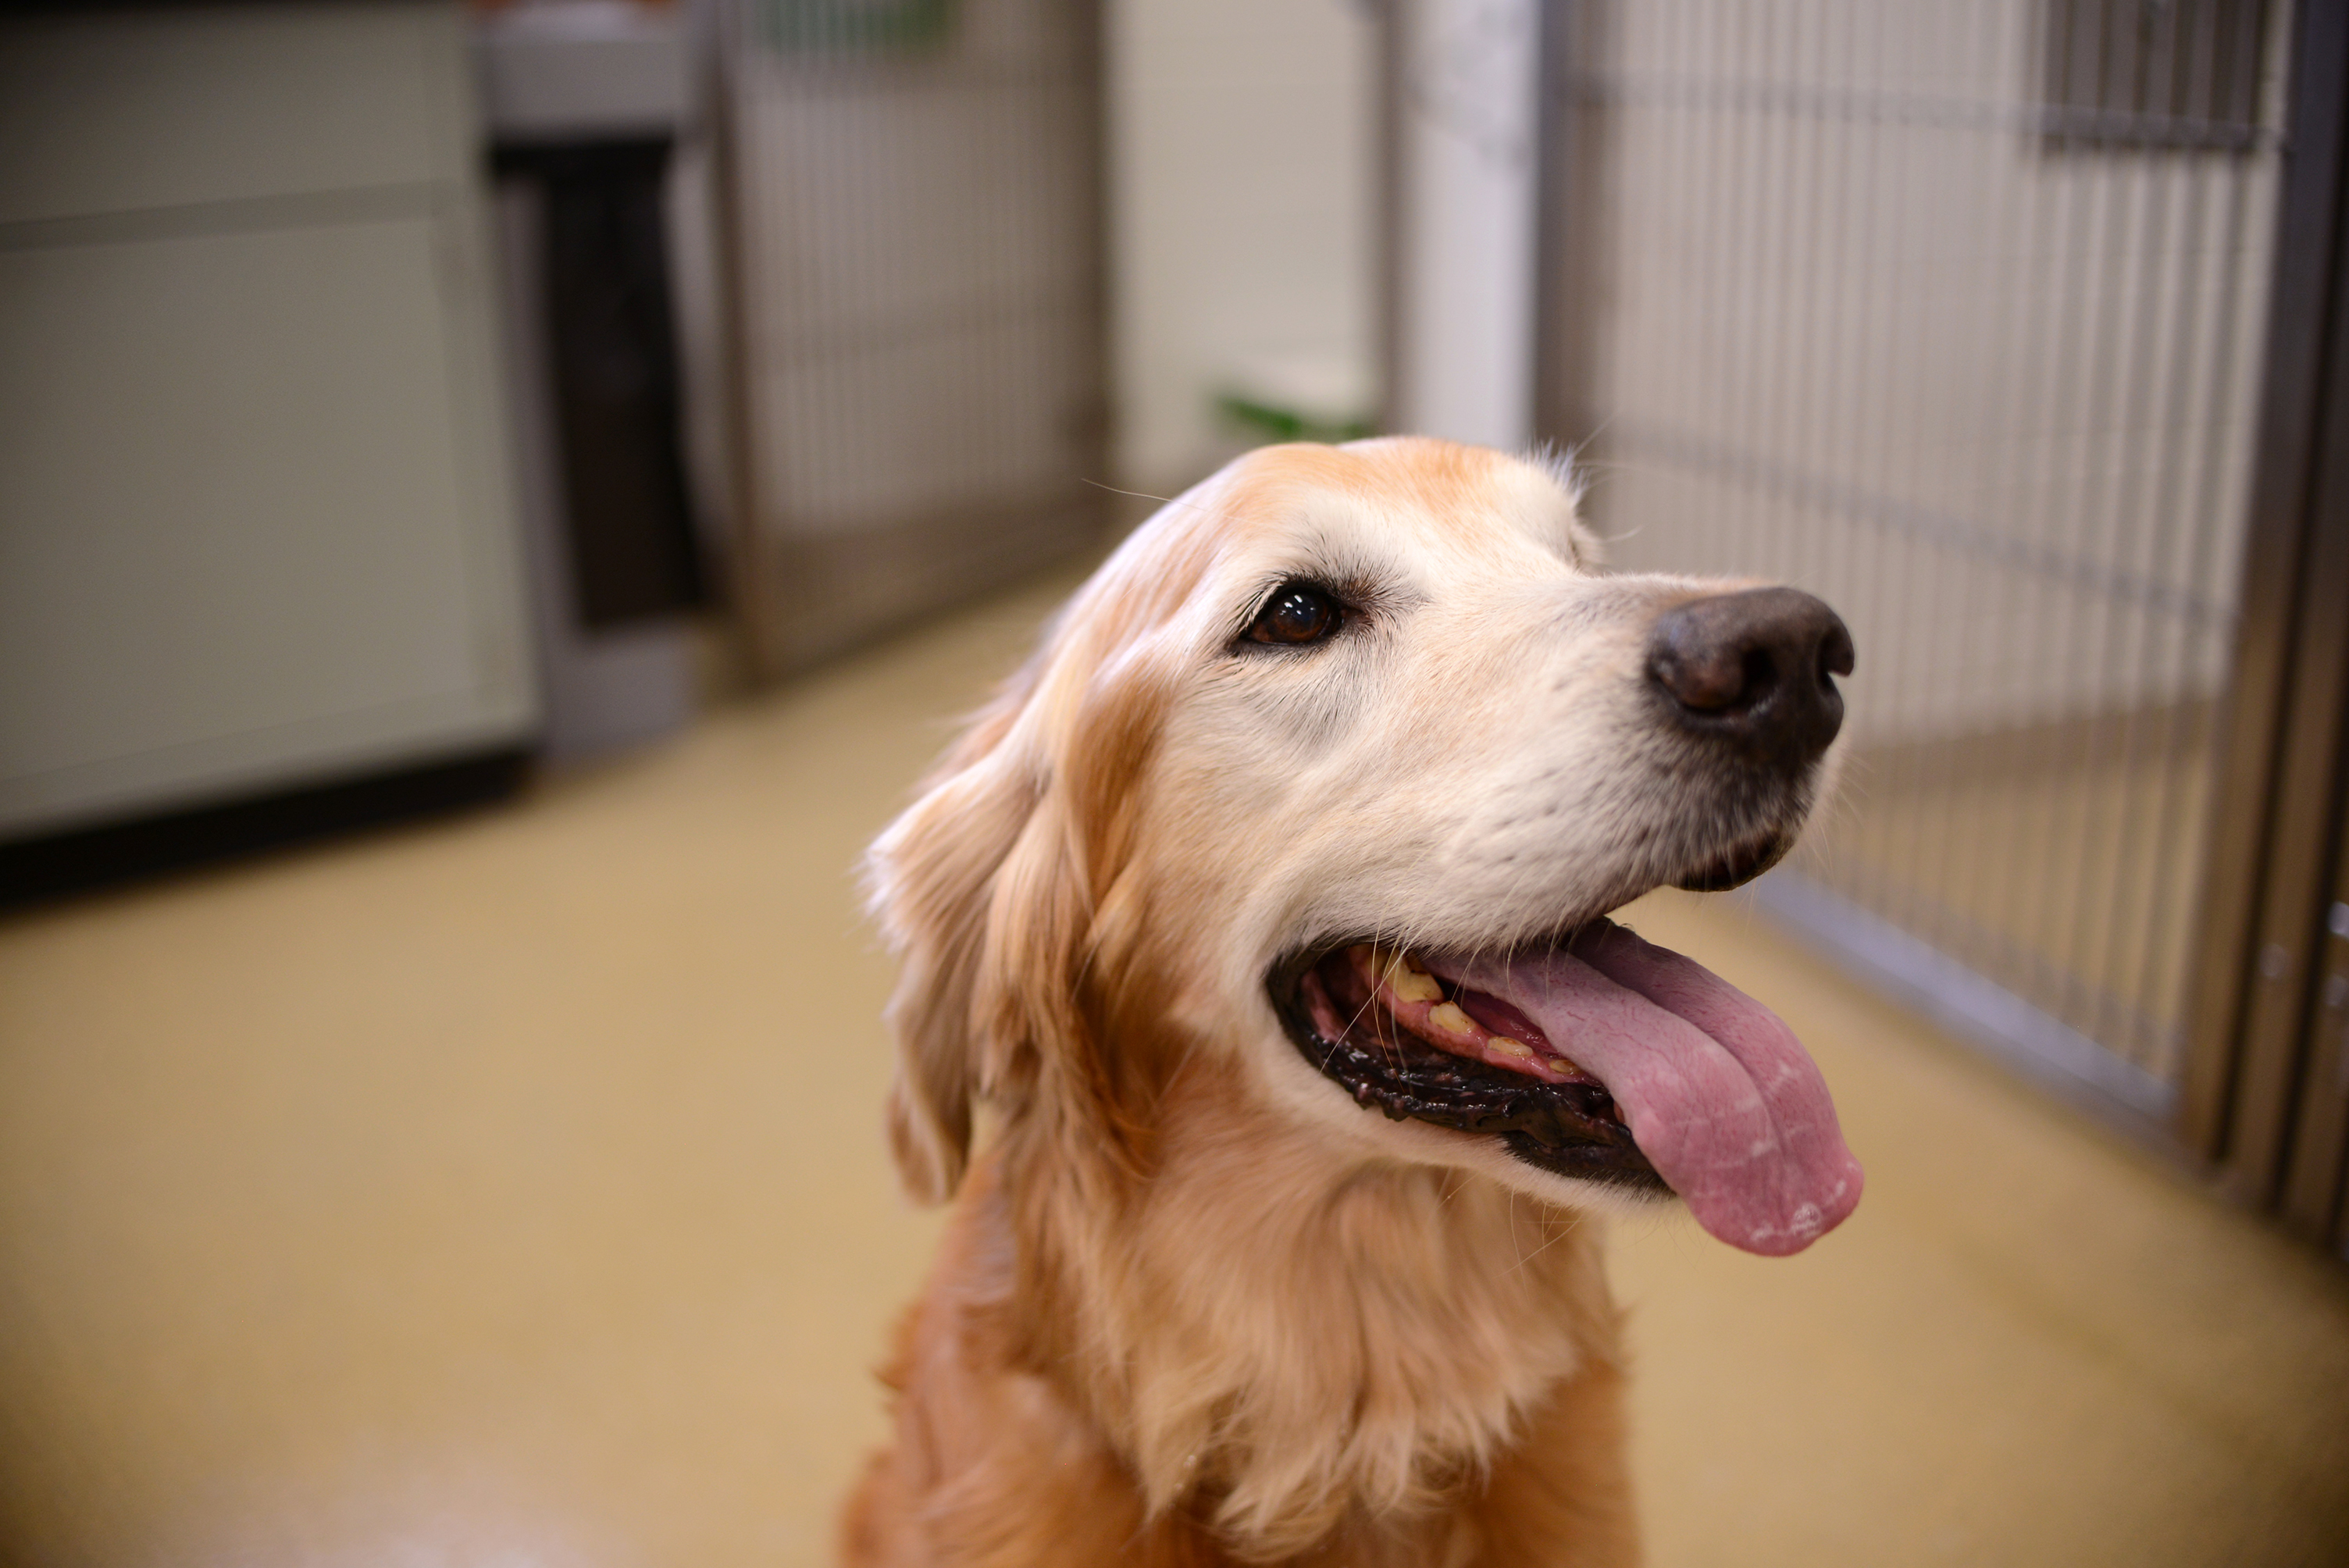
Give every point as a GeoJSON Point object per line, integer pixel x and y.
{"type": "Point", "coordinates": [1322, 788]}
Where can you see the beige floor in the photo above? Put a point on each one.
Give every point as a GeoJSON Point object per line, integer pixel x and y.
{"type": "Point", "coordinates": [507, 1194]}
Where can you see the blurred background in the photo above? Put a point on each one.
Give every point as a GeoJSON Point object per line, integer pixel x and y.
{"type": "Point", "coordinates": [499, 502]}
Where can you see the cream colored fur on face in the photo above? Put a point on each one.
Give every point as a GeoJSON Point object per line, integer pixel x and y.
{"type": "Point", "coordinates": [1197, 1305]}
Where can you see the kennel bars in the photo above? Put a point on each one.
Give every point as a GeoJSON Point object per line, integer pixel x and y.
{"type": "Point", "coordinates": [917, 302]}
{"type": "Point", "coordinates": [1958, 315]}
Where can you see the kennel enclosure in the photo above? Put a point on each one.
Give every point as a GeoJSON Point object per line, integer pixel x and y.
{"type": "Point", "coordinates": [2005, 326]}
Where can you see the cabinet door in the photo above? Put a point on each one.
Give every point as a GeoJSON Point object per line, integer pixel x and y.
{"type": "Point", "coordinates": [254, 520]}
{"type": "Point", "coordinates": [165, 108]}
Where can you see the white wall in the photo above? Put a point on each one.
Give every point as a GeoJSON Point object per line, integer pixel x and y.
{"type": "Point", "coordinates": [1242, 153]}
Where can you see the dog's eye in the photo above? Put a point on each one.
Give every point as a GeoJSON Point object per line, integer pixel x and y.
{"type": "Point", "coordinates": [1298, 612]}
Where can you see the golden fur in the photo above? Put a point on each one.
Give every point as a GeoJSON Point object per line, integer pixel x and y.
{"type": "Point", "coordinates": [1194, 1306]}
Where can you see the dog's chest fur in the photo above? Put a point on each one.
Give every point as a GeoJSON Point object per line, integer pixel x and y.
{"type": "Point", "coordinates": [1265, 1356]}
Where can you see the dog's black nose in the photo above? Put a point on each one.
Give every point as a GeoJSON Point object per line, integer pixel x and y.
{"type": "Point", "coordinates": [1756, 668]}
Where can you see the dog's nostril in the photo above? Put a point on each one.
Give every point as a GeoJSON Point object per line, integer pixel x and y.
{"type": "Point", "coordinates": [1733, 663]}
{"type": "Point", "coordinates": [1835, 656]}
{"type": "Point", "coordinates": [1711, 675]}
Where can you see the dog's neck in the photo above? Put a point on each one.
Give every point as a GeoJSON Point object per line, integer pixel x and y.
{"type": "Point", "coordinates": [1278, 1337]}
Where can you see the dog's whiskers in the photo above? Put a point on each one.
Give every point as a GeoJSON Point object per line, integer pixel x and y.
{"type": "Point", "coordinates": [1145, 495]}
{"type": "Point", "coordinates": [1567, 1227]}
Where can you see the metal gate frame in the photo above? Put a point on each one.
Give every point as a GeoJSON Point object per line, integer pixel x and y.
{"type": "Point", "coordinates": [2265, 1099]}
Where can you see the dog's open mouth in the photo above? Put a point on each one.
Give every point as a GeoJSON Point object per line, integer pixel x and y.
{"type": "Point", "coordinates": [1408, 1043]}
{"type": "Point", "coordinates": [1599, 1057]}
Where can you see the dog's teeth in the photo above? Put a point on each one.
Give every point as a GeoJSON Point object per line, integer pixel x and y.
{"type": "Point", "coordinates": [1509, 1047]}
{"type": "Point", "coordinates": [1402, 977]}
{"type": "Point", "coordinates": [1560, 1064]}
{"type": "Point", "coordinates": [1414, 987]}
{"type": "Point", "coordinates": [1448, 1018]}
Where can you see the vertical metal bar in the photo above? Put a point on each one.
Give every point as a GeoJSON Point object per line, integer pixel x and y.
{"type": "Point", "coordinates": [1921, 684]}
{"type": "Point", "coordinates": [2076, 366]}
{"type": "Point", "coordinates": [1815, 562]}
{"type": "Point", "coordinates": [1707, 190]}
{"type": "Point", "coordinates": [2067, 882]}
{"type": "Point", "coordinates": [2040, 366]}
{"type": "Point", "coordinates": [1747, 121]}
{"type": "Point", "coordinates": [2231, 1107]}
{"type": "Point", "coordinates": [1866, 545]}
{"type": "Point", "coordinates": [2139, 519]}
{"type": "Point", "coordinates": [1654, 120]}
{"type": "Point", "coordinates": [2188, 738]}
{"type": "Point", "coordinates": [2043, 365]}
{"type": "Point", "coordinates": [1938, 864]}
{"type": "Point", "coordinates": [1689, 174]}
{"type": "Point", "coordinates": [1747, 126]}
{"type": "Point", "coordinates": [1869, 460]}
{"type": "Point", "coordinates": [1781, 300]}
{"type": "Point", "coordinates": [2183, 726]}
{"type": "Point", "coordinates": [1834, 175]}
{"type": "Point", "coordinates": [1735, 136]}
{"type": "Point", "coordinates": [2145, 740]}
{"type": "Point", "coordinates": [1758, 305]}
{"type": "Point", "coordinates": [1806, 232]}
{"type": "Point", "coordinates": [1884, 462]}
{"type": "Point", "coordinates": [2009, 242]}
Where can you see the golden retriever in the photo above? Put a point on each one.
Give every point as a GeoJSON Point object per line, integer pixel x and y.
{"type": "Point", "coordinates": [1263, 913]}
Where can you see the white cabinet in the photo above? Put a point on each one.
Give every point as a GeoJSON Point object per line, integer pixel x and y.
{"type": "Point", "coordinates": [256, 521]}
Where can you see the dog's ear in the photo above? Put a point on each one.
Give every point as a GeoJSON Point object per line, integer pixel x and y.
{"type": "Point", "coordinates": [987, 889]}
{"type": "Point", "coordinates": [930, 879]}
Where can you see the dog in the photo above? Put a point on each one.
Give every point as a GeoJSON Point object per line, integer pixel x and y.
{"type": "Point", "coordinates": [1262, 915]}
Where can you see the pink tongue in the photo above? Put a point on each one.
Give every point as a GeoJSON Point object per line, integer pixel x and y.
{"type": "Point", "coordinates": [1721, 1098]}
